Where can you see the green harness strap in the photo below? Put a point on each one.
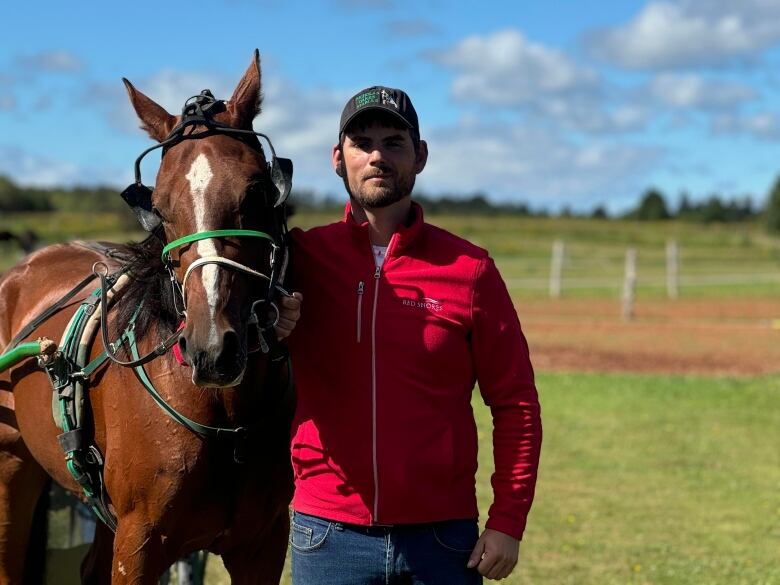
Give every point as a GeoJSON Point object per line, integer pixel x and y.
{"type": "Point", "coordinates": [211, 234]}
{"type": "Point", "coordinates": [83, 463]}
{"type": "Point", "coordinates": [195, 427]}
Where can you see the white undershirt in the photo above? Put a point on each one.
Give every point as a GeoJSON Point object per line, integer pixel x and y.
{"type": "Point", "coordinates": [379, 254]}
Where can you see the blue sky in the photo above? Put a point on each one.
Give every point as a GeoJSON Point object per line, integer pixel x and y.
{"type": "Point", "coordinates": [556, 103]}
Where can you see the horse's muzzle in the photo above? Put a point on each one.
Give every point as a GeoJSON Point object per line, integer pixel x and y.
{"type": "Point", "coordinates": [217, 365]}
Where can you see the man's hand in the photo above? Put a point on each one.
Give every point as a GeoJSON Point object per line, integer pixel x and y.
{"type": "Point", "coordinates": [495, 554]}
{"type": "Point", "coordinates": [289, 313]}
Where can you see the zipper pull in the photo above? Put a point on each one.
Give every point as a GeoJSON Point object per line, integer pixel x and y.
{"type": "Point", "coordinates": [376, 272]}
{"type": "Point", "coordinates": [361, 286]}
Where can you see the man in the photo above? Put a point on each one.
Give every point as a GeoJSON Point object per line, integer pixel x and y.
{"type": "Point", "coordinates": [401, 319]}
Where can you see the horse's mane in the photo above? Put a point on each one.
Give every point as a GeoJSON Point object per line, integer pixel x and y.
{"type": "Point", "coordinates": [149, 285]}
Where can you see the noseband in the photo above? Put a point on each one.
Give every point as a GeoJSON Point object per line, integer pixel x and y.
{"type": "Point", "coordinates": [278, 269]}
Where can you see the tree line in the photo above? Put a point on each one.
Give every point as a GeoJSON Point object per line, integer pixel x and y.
{"type": "Point", "coordinates": [15, 198]}
{"type": "Point", "coordinates": [653, 205]}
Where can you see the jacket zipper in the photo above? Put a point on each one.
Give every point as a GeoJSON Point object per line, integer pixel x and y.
{"type": "Point", "coordinates": [373, 393]}
{"type": "Point", "coordinates": [361, 286]}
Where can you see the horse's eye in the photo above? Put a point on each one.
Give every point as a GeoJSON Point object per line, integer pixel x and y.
{"type": "Point", "coordinates": [257, 195]}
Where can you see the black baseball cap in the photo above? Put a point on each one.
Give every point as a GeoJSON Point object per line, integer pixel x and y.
{"type": "Point", "coordinates": [387, 99]}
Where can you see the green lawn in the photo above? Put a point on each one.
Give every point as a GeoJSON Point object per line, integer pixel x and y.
{"type": "Point", "coordinates": [649, 480]}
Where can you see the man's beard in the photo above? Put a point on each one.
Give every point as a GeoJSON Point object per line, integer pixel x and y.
{"type": "Point", "coordinates": [379, 197]}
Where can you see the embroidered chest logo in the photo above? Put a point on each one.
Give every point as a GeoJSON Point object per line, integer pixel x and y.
{"type": "Point", "coordinates": [424, 303]}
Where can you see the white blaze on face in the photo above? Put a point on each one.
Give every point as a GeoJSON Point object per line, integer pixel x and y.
{"type": "Point", "coordinates": [200, 176]}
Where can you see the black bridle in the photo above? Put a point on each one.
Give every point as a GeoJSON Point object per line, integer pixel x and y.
{"type": "Point", "coordinates": [200, 111]}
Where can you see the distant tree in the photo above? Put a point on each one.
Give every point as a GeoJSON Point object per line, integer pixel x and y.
{"type": "Point", "coordinates": [652, 207]}
{"type": "Point", "coordinates": [15, 198]}
{"type": "Point", "coordinates": [772, 209]}
{"type": "Point", "coordinates": [714, 210]}
{"type": "Point", "coordinates": [685, 208]}
{"type": "Point", "coordinates": [599, 212]}
{"type": "Point", "coordinates": [740, 209]}
{"type": "Point", "coordinates": [479, 202]}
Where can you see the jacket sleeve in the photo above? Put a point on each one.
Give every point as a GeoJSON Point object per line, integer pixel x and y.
{"type": "Point", "coordinates": [506, 381]}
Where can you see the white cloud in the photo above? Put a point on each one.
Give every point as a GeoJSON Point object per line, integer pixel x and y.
{"type": "Point", "coordinates": [589, 114]}
{"type": "Point", "coordinates": [34, 170]}
{"type": "Point", "coordinates": [763, 125]}
{"type": "Point", "coordinates": [694, 91]}
{"type": "Point", "coordinates": [50, 61]}
{"type": "Point", "coordinates": [506, 69]}
{"type": "Point", "coordinates": [7, 103]}
{"type": "Point", "coordinates": [532, 164]}
{"type": "Point", "coordinates": [689, 33]}
{"type": "Point", "coordinates": [520, 160]}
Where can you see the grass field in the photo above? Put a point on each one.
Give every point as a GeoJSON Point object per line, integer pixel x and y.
{"type": "Point", "coordinates": [645, 478]}
{"type": "Point", "coordinates": [649, 480]}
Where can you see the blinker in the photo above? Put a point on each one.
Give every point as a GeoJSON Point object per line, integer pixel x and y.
{"type": "Point", "coordinates": [281, 177]}
{"type": "Point", "coordinates": [139, 198]}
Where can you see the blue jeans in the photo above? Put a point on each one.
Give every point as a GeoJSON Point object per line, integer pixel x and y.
{"type": "Point", "coordinates": [334, 553]}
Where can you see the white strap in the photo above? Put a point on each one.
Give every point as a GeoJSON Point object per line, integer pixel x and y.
{"type": "Point", "coordinates": [221, 261]}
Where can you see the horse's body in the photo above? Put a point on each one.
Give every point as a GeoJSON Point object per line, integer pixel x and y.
{"type": "Point", "coordinates": [172, 491]}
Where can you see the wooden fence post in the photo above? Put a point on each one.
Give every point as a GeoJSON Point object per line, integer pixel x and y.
{"type": "Point", "coordinates": [556, 268]}
{"type": "Point", "coordinates": [629, 285]}
{"type": "Point", "coordinates": [672, 269]}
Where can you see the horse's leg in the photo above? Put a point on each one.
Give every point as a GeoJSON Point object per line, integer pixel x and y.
{"type": "Point", "coordinates": [21, 483]}
{"type": "Point", "coordinates": [261, 561]}
{"type": "Point", "coordinates": [139, 553]}
{"type": "Point", "coordinates": [96, 567]}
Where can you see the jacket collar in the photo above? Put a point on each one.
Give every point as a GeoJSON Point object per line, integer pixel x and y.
{"type": "Point", "coordinates": [404, 235]}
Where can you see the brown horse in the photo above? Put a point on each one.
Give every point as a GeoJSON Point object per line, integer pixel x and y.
{"type": "Point", "coordinates": [172, 491]}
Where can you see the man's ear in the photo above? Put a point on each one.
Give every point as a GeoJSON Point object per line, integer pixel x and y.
{"type": "Point", "coordinates": [337, 159]}
{"type": "Point", "coordinates": [422, 157]}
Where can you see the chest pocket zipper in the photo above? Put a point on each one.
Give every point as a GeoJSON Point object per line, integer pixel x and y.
{"type": "Point", "coordinates": [360, 289]}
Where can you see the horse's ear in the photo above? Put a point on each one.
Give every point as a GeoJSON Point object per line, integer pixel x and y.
{"type": "Point", "coordinates": [247, 97]}
{"type": "Point", "coordinates": [154, 119]}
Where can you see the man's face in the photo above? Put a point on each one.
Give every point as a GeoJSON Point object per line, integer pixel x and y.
{"type": "Point", "coordinates": [378, 164]}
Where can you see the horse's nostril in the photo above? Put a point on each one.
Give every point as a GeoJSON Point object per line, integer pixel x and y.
{"type": "Point", "coordinates": [230, 344]}
{"type": "Point", "coordinates": [183, 345]}
{"type": "Point", "coordinates": [229, 358]}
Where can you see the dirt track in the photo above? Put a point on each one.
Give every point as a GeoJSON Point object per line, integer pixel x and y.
{"type": "Point", "coordinates": [739, 337]}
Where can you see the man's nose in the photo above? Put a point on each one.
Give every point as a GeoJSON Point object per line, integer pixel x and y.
{"type": "Point", "coordinates": [376, 155]}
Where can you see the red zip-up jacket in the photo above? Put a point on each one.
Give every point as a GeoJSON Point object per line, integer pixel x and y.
{"type": "Point", "coordinates": [385, 363]}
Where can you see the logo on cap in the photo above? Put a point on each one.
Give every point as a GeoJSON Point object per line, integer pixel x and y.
{"type": "Point", "coordinates": [388, 99]}
{"type": "Point", "coordinates": [375, 97]}
{"type": "Point", "coordinates": [366, 99]}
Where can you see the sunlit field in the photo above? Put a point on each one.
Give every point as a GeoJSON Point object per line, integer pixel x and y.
{"type": "Point", "coordinates": [646, 478]}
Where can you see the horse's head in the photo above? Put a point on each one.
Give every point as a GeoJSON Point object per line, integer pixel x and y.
{"type": "Point", "coordinates": [213, 183]}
